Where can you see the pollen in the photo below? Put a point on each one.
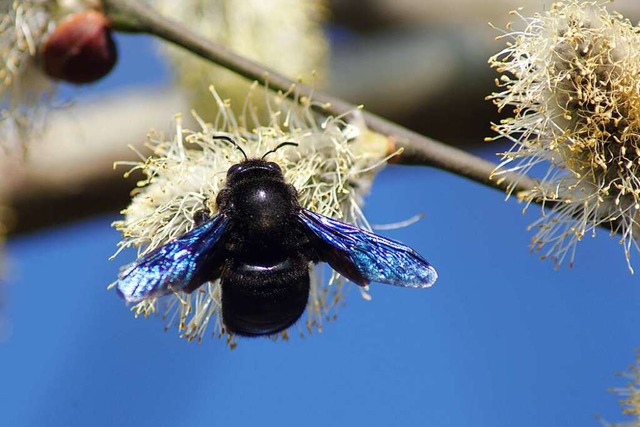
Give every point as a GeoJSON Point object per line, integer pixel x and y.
{"type": "Point", "coordinates": [569, 82]}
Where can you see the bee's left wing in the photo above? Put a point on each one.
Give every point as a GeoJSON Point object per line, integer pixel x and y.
{"type": "Point", "coordinates": [182, 264]}
{"type": "Point", "coordinates": [365, 257]}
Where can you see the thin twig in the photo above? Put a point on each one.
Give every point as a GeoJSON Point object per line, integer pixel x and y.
{"type": "Point", "coordinates": [135, 16]}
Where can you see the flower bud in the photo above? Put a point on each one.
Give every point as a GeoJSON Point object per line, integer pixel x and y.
{"type": "Point", "coordinates": [80, 49]}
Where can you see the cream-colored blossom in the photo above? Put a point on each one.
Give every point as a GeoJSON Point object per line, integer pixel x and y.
{"type": "Point", "coordinates": [332, 168]}
{"type": "Point", "coordinates": [25, 91]}
{"type": "Point", "coordinates": [285, 35]}
{"type": "Point", "coordinates": [571, 82]}
{"type": "Point", "coordinates": [630, 394]}
{"type": "Point", "coordinates": [23, 87]}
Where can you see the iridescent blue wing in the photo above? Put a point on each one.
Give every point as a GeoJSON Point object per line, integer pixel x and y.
{"type": "Point", "coordinates": [184, 263]}
{"type": "Point", "coordinates": [365, 257]}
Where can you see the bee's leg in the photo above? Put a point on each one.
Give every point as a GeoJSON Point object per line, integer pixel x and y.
{"type": "Point", "coordinates": [201, 216]}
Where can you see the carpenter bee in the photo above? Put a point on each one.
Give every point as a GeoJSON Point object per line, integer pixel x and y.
{"type": "Point", "coordinates": [260, 245]}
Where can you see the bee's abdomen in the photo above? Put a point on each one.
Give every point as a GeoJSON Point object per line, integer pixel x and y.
{"type": "Point", "coordinates": [264, 299]}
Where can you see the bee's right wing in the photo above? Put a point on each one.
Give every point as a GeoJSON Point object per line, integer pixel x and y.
{"type": "Point", "coordinates": [182, 264]}
{"type": "Point", "coordinates": [363, 257]}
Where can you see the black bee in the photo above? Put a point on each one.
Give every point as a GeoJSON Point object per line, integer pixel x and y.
{"type": "Point", "coordinates": [260, 245]}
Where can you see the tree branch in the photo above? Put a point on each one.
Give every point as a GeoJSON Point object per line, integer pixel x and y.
{"type": "Point", "coordinates": [134, 16]}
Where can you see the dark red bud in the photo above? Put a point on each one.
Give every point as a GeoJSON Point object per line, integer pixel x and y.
{"type": "Point", "coordinates": [80, 49]}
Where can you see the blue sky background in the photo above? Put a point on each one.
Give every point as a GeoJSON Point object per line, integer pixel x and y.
{"type": "Point", "coordinates": [501, 340]}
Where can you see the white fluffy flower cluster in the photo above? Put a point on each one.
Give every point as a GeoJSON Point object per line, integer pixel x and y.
{"type": "Point", "coordinates": [570, 82]}
{"type": "Point", "coordinates": [331, 167]}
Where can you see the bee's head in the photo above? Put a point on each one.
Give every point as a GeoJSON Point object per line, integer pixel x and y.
{"type": "Point", "coordinates": [253, 169]}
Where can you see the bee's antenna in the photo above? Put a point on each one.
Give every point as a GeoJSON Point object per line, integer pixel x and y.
{"type": "Point", "coordinates": [232, 142]}
{"type": "Point", "coordinates": [295, 144]}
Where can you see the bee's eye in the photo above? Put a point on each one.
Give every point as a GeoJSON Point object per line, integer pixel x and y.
{"type": "Point", "coordinates": [273, 166]}
{"type": "Point", "coordinates": [235, 168]}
